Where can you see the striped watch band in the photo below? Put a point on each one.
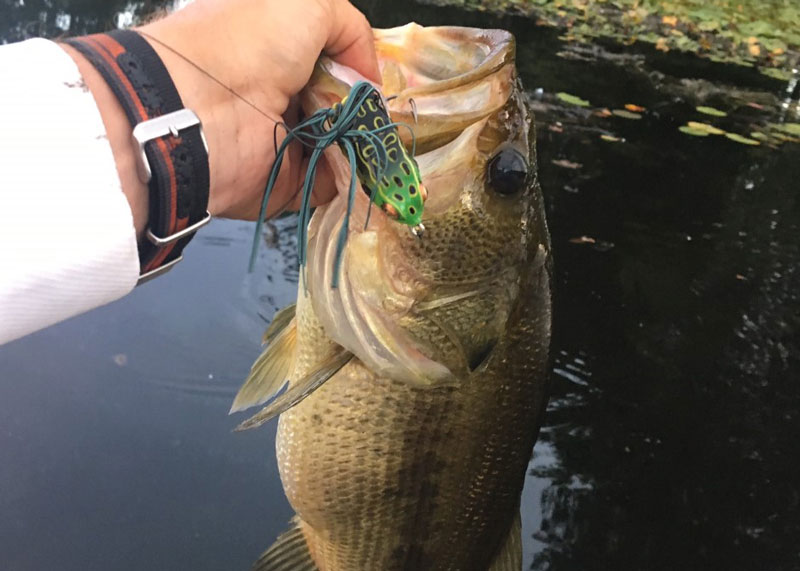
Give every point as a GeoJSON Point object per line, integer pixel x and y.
{"type": "Point", "coordinates": [169, 139]}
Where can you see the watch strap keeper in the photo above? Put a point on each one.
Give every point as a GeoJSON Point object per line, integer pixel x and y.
{"type": "Point", "coordinates": [168, 139]}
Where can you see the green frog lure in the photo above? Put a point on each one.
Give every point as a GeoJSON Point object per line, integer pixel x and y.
{"type": "Point", "coordinates": [388, 173]}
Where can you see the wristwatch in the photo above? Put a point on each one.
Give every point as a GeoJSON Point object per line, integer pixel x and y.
{"type": "Point", "coordinates": [169, 145]}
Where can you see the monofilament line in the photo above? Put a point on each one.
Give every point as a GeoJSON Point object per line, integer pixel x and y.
{"type": "Point", "coordinates": [204, 72]}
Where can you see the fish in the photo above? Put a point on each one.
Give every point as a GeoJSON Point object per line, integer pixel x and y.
{"type": "Point", "coordinates": [416, 387]}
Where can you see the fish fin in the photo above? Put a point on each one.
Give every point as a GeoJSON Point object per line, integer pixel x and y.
{"type": "Point", "coordinates": [288, 553]}
{"type": "Point", "coordinates": [270, 371]}
{"type": "Point", "coordinates": [509, 556]}
{"type": "Point", "coordinates": [299, 389]}
{"type": "Point", "coordinates": [279, 321]}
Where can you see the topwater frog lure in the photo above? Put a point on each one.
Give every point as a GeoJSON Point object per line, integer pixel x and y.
{"type": "Point", "coordinates": [388, 173]}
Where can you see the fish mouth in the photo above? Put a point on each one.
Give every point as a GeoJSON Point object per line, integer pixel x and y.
{"type": "Point", "coordinates": [444, 82]}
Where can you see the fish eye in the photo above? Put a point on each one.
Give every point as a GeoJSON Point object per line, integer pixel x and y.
{"type": "Point", "coordinates": [508, 170]}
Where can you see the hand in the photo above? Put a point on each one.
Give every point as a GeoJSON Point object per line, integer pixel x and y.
{"type": "Point", "coordinates": [265, 51]}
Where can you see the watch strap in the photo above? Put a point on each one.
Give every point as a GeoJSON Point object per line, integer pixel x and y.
{"type": "Point", "coordinates": [177, 159]}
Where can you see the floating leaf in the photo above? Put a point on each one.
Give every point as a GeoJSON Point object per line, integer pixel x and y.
{"type": "Point", "coordinates": [711, 111]}
{"type": "Point", "coordinates": [626, 114]}
{"type": "Point", "coordinates": [572, 99]}
{"type": "Point", "coordinates": [634, 107]}
{"type": "Point", "coordinates": [775, 73]}
{"type": "Point", "coordinates": [708, 26]}
{"type": "Point", "coordinates": [742, 140]}
{"type": "Point", "coordinates": [694, 132]}
{"type": "Point", "coordinates": [567, 164]}
{"type": "Point", "coordinates": [710, 129]}
{"type": "Point", "coordinates": [759, 135]}
{"type": "Point", "coordinates": [790, 128]}
{"type": "Point", "coordinates": [611, 138]}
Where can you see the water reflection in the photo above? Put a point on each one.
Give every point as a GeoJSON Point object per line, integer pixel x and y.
{"type": "Point", "coordinates": [674, 411]}
{"type": "Point", "coordinates": [670, 438]}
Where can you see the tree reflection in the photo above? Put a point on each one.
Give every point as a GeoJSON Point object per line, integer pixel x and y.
{"type": "Point", "coordinates": [23, 19]}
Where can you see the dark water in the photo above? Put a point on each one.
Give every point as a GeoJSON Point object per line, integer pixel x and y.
{"type": "Point", "coordinates": [671, 441]}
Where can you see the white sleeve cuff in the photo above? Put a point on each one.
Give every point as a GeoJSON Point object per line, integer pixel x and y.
{"type": "Point", "coordinates": [67, 242]}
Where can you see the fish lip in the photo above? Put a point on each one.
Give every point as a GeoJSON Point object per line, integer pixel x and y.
{"type": "Point", "coordinates": [501, 50]}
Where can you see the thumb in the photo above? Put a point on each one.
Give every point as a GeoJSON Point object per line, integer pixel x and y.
{"type": "Point", "coordinates": [350, 40]}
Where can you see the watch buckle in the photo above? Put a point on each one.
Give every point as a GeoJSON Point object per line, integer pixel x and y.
{"type": "Point", "coordinates": [168, 124]}
{"type": "Point", "coordinates": [161, 242]}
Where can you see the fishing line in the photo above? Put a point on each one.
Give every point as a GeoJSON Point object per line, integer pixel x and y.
{"type": "Point", "coordinates": [204, 72]}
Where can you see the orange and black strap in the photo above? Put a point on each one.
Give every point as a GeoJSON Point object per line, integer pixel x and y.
{"type": "Point", "coordinates": [179, 184]}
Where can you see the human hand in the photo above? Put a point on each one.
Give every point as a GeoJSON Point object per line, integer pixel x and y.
{"type": "Point", "coordinates": [264, 51]}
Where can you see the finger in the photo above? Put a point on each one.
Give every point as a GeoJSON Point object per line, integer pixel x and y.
{"type": "Point", "coordinates": [350, 40]}
{"type": "Point", "coordinates": [324, 185]}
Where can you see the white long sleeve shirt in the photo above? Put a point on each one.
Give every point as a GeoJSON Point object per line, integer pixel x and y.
{"type": "Point", "coordinates": [67, 242]}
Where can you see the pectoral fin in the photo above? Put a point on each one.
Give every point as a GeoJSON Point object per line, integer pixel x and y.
{"type": "Point", "coordinates": [509, 558]}
{"type": "Point", "coordinates": [271, 370]}
{"type": "Point", "coordinates": [288, 553]}
{"type": "Point", "coordinates": [280, 320]}
{"type": "Point", "coordinates": [299, 389]}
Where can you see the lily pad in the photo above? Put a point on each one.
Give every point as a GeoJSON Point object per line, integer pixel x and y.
{"type": "Point", "coordinates": [626, 114]}
{"type": "Point", "coordinates": [790, 128]}
{"type": "Point", "coordinates": [710, 129]}
{"type": "Point", "coordinates": [742, 140]}
{"type": "Point", "coordinates": [776, 73]}
{"type": "Point", "coordinates": [572, 99]}
{"type": "Point", "coordinates": [711, 111]}
{"type": "Point", "coordinates": [692, 131]}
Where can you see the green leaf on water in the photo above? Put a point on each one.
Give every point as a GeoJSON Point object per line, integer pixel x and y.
{"type": "Point", "coordinates": [759, 135]}
{"type": "Point", "coordinates": [710, 129]}
{"type": "Point", "coordinates": [790, 128]}
{"type": "Point", "coordinates": [572, 99]}
{"type": "Point", "coordinates": [774, 72]}
{"type": "Point", "coordinates": [708, 25]}
{"type": "Point", "coordinates": [625, 114]}
{"type": "Point", "coordinates": [742, 140]}
{"type": "Point", "coordinates": [711, 111]}
{"type": "Point", "coordinates": [692, 131]}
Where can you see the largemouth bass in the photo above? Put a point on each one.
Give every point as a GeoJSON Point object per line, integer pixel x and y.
{"type": "Point", "coordinates": [423, 375]}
